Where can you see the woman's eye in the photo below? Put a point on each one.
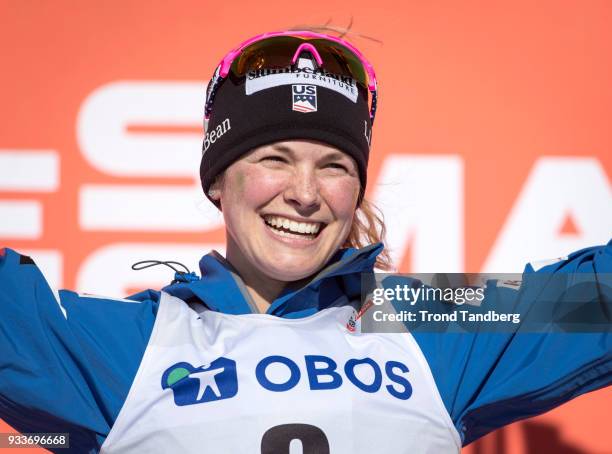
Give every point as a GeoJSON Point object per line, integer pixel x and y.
{"type": "Point", "coordinates": [335, 165]}
{"type": "Point", "coordinates": [274, 159]}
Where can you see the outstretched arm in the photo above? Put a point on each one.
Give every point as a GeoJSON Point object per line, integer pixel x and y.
{"type": "Point", "coordinates": [67, 360]}
{"type": "Point", "coordinates": [488, 379]}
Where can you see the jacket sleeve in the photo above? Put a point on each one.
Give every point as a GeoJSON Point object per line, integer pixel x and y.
{"type": "Point", "coordinates": [490, 379]}
{"type": "Point", "coordinates": [67, 361]}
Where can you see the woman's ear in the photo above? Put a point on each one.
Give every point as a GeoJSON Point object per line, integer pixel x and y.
{"type": "Point", "coordinates": [214, 194]}
{"type": "Point", "coordinates": [214, 191]}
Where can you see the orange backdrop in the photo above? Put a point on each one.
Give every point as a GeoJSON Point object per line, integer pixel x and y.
{"type": "Point", "coordinates": [502, 107]}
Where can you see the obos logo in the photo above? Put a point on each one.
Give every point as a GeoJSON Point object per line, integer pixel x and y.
{"type": "Point", "coordinates": [217, 381]}
{"type": "Point", "coordinates": [194, 385]}
{"type": "Point", "coordinates": [304, 98]}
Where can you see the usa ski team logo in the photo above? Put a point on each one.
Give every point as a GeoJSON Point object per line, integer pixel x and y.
{"type": "Point", "coordinates": [304, 98]}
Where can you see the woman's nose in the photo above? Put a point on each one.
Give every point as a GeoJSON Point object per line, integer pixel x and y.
{"type": "Point", "coordinates": [303, 190]}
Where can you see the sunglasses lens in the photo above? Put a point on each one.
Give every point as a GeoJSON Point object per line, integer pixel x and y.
{"type": "Point", "coordinates": [273, 53]}
{"type": "Point", "coordinates": [278, 52]}
{"type": "Point", "coordinates": [338, 59]}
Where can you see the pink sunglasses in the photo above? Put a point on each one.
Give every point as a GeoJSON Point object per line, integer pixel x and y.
{"type": "Point", "coordinates": [282, 49]}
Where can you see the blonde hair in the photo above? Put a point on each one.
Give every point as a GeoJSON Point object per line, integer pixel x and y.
{"type": "Point", "coordinates": [368, 227]}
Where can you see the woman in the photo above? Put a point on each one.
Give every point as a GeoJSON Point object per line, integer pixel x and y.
{"type": "Point", "coordinates": [259, 352]}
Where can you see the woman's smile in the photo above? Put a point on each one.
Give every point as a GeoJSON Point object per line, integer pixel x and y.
{"type": "Point", "coordinates": [292, 231]}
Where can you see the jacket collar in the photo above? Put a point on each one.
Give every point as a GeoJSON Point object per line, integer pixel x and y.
{"type": "Point", "coordinates": [221, 289]}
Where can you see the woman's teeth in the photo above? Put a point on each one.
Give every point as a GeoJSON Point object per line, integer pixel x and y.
{"type": "Point", "coordinates": [304, 228]}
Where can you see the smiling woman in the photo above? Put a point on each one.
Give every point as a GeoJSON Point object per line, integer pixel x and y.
{"type": "Point", "coordinates": [288, 208]}
{"type": "Point", "coordinates": [266, 349]}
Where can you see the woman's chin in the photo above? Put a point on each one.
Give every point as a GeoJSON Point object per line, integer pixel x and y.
{"type": "Point", "coordinates": [289, 269]}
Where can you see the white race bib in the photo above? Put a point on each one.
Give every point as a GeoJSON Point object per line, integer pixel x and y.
{"type": "Point", "coordinates": [217, 383]}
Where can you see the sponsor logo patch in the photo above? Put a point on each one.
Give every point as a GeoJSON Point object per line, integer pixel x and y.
{"type": "Point", "coordinates": [215, 134]}
{"type": "Point", "coordinates": [303, 73]}
{"type": "Point", "coordinates": [304, 98]}
{"type": "Point", "coordinates": [193, 385]}
{"type": "Point", "coordinates": [513, 284]}
{"type": "Point", "coordinates": [352, 323]}
{"type": "Point", "coordinates": [218, 380]}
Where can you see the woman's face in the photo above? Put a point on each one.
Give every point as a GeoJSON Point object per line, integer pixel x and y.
{"type": "Point", "coordinates": [288, 207]}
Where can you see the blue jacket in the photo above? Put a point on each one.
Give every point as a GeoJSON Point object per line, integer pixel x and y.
{"type": "Point", "coordinates": [67, 360]}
